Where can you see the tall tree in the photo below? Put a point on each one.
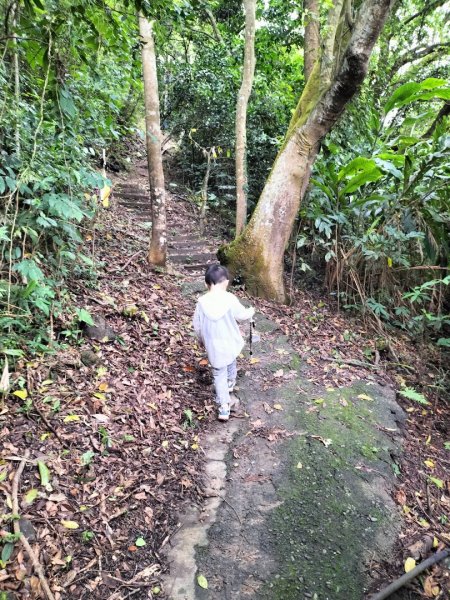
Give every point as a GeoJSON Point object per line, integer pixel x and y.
{"type": "Point", "coordinates": [337, 74]}
{"type": "Point", "coordinates": [312, 36]}
{"type": "Point", "coordinates": [158, 243]}
{"type": "Point", "coordinates": [248, 73]}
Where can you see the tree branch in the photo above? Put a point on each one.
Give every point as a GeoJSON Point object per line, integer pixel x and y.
{"type": "Point", "coordinates": [445, 110]}
{"type": "Point", "coordinates": [212, 20]}
{"type": "Point", "coordinates": [428, 8]}
{"type": "Point", "coordinates": [416, 54]}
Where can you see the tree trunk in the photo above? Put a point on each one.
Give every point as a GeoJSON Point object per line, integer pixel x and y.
{"type": "Point", "coordinates": [312, 36]}
{"type": "Point", "coordinates": [204, 192]}
{"type": "Point", "coordinates": [16, 78]}
{"type": "Point", "coordinates": [241, 116]}
{"type": "Point", "coordinates": [158, 242]}
{"type": "Point", "coordinates": [257, 255]}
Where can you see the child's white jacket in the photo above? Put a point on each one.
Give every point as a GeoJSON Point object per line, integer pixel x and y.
{"type": "Point", "coordinates": [215, 325]}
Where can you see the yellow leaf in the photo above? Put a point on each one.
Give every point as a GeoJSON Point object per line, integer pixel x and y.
{"type": "Point", "coordinates": [428, 440]}
{"type": "Point", "coordinates": [103, 387]}
{"type": "Point", "coordinates": [406, 509]}
{"type": "Point", "coordinates": [105, 202]}
{"type": "Point", "coordinates": [70, 524]}
{"type": "Point", "coordinates": [278, 407]}
{"type": "Point", "coordinates": [83, 507]}
{"type": "Point", "coordinates": [100, 396]}
{"type": "Point", "coordinates": [194, 446]}
{"type": "Point", "coordinates": [435, 590]}
{"type": "Point", "coordinates": [424, 523]}
{"type": "Point", "coordinates": [429, 463]}
{"type": "Point", "coordinates": [71, 418]}
{"type": "Point", "coordinates": [365, 397]}
{"type": "Point", "coordinates": [435, 542]}
{"type": "Point", "coordinates": [105, 192]}
{"type": "Point", "coordinates": [22, 394]}
{"type": "Point", "coordinates": [44, 436]}
{"type": "Point", "coordinates": [389, 262]}
{"type": "Point", "coordinates": [319, 401]}
{"type": "Point", "coordinates": [47, 382]}
{"type": "Point", "coordinates": [330, 389]}
{"type": "Point", "coordinates": [254, 361]}
{"type": "Point", "coordinates": [299, 465]}
{"type": "Point", "coordinates": [165, 444]}
{"type": "Point", "coordinates": [410, 563]}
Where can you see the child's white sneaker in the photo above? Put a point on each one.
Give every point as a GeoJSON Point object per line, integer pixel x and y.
{"type": "Point", "coordinates": [224, 412]}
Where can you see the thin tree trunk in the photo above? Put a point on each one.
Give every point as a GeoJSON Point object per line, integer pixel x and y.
{"type": "Point", "coordinates": [158, 242]}
{"type": "Point", "coordinates": [16, 77]}
{"type": "Point", "coordinates": [312, 36]}
{"type": "Point", "coordinates": [258, 254]}
{"type": "Point", "coordinates": [248, 73]}
{"type": "Point", "coordinates": [207, 154]}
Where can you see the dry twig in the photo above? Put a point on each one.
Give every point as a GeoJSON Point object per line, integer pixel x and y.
{"type": "Point", "coordinates": [15, 508]}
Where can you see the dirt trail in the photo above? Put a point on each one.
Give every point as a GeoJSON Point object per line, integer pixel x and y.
{"type": "Point", "coordinates": [304, 505]}
{"type": "Point", "coordinates": [298, 502]}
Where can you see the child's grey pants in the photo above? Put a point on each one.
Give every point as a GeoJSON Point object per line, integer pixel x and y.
{"type": "Point", "coordinates": [221, 378]}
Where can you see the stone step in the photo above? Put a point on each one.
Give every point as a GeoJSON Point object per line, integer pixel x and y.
{"type": "Point", "coordinates": [188, 245]}
{"type": "Point", "coordinates": [186, 259]}
{"type": "Point", "coordinates": [181, 235]}
{"type": "Point", "coordinates": [142, 197]}
{"type": "Point", "coordinates": [200, 269]}
{"type": "Point", "coordinates": [138, 207]}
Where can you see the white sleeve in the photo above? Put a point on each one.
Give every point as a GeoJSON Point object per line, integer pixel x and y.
{"type": "Point", "coordinates": [196, 322]}
{"type": "Point", "coordinates": [240, 313]}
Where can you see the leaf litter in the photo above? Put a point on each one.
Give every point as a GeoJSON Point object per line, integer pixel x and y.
{"type": "Point", "coordinates": [113, 458]}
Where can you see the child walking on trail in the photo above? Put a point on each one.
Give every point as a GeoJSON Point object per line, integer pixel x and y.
{"type": "Point", "coordinates": [215, 324]}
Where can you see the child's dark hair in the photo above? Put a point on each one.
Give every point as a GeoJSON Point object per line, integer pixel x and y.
{"type": "Point", "coordinates": [216, 274]}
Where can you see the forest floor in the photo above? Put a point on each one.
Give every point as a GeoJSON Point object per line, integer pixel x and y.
{"type": "Point", "coordinates": [321, 487]}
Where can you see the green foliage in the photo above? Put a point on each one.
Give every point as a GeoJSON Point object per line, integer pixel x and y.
{"type": "Point", "coordinates": [412, 394]}
{"type": "Point", "coordinates": [77, 81]}
{"type": "Point", "coordinates": [378, 213]}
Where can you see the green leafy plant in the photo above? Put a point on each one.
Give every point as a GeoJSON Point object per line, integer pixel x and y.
{"type": "Point", "coordinates": [412, 394]}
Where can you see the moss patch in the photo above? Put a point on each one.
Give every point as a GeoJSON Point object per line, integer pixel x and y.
{"type": "Point", "coordinates": [332, 509]}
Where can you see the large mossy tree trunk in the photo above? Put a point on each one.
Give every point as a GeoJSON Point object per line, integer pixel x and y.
{"type": "Point", "coordinates": [245, 90]}
{"type": "Point", "coordinates": [158, 242]}
{"type": "Point", "coordinates": [257, 255]}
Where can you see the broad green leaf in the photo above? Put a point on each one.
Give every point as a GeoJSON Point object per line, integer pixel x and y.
{"type": "Point", "coordinates": [29, 270]}
{"type": "Point", "coordinates": [7, 551]}
{"type": "Point", "coordinates": [84, 316]}
{"type": "Point", "coordinates": [140, 542]}
{"type": "Point", "coordinates": [357, 165]}
{"type": "Point", "coordinates": [445, 342]}
{"type": "Point", "coordinates": [202, 582]}
{"type": "Point", "coordinates": [361, 179]}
